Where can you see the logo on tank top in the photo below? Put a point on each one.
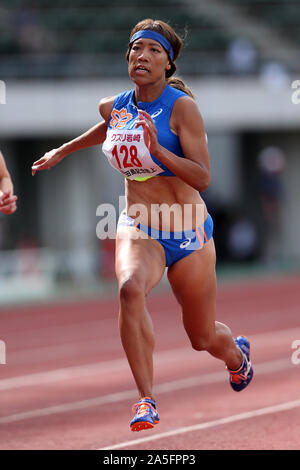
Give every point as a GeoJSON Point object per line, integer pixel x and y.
{"type": "Point", "coordinates": [119, 118]}
{"type": "Point", "coordinates": [157, 113]}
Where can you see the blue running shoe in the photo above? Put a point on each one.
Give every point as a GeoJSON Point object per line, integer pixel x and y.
{"type": "Point", "coordinates": [239, 379]}
{"type": "Point", "coordinates": [146, 415]}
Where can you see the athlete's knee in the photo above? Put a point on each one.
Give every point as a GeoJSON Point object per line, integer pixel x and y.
{"type": "Point", "coordinates": [131, 289]}
{"type": "Point", "coordinates": [201, 343]}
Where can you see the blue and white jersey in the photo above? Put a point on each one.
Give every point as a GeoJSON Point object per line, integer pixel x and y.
{"type": "Point", "coordinates": [124, 145]}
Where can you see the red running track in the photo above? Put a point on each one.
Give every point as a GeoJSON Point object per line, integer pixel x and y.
{"type": "Point", "coordinates": [67, 385]}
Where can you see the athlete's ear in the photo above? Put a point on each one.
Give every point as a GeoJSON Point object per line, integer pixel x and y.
{"type": "Point", "coordinates": [168, 66]}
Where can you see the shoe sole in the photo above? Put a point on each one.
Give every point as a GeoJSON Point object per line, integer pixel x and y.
{"type": "Point", "coordinates": [140, 425]}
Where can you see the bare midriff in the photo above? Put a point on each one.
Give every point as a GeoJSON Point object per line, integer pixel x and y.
{"type": "Point", "coordinates": [165, 203]}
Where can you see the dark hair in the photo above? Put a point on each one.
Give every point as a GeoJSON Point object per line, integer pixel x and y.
{"type": "Point", "coordinates": [176, 42]}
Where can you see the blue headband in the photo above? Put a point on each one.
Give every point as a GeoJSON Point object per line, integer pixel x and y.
{"type": "Point", "coordinates": [146, 33]}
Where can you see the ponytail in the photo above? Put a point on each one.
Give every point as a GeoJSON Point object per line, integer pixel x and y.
{"type": "Point", "coordinates": [176, 82]}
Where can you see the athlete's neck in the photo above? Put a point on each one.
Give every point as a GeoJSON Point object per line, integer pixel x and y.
{"type": "Point", "coordinates": [149, 92]}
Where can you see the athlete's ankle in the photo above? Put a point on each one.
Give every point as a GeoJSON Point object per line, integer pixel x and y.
{"type": "Point", "coordinates": [235, 364]}
{"type": "Point", "coordinates": [147, 397]}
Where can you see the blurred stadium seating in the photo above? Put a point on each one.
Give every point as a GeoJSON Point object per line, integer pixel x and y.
{"type": "Point", "coordinates": [64, 38]}
{"type": "Point", "coordinates": [72, 39]}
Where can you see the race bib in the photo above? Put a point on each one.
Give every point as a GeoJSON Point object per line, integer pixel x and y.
{"type": "Point", "coordinates": [126, 152]}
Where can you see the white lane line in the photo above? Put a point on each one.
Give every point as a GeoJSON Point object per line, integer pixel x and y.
{"type": "Point", "coordinates": [65, 373]}
{"type": "Point", "coordinates": [202, 379]}
{"type": "Point", "coordinates": [210, 424]}
{"type": "Point", "coordinates": [65, 407]}
{"type": "Point", "coordinates": [75, 372]}
{"type": "Point", "coordinates": [121, 364]}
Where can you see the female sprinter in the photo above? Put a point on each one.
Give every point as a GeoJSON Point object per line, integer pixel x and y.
{"type": "Point", "coordinates": [154, 135]}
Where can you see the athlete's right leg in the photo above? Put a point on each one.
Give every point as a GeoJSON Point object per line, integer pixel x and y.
{"type": "Point", "coordinates": [140, 265]}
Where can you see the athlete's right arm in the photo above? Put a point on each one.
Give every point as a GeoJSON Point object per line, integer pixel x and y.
{"type": "Point", "coordinates": [7, 196]}
{"type": "Point", "coordinates": [94, 136]}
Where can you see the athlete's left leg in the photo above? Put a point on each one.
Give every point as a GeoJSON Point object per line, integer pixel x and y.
{"type": "Point", "coordinates": [193, 281]}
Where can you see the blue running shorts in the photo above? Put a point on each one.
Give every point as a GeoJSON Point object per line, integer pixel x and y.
{"type": "Point", "coordinates": [176, 245]}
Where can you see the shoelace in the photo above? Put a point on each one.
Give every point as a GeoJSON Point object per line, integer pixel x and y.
{"type": "Point", "coordinates": [142, 408]}
{"type": "Point", "coordinates": [238, 377]}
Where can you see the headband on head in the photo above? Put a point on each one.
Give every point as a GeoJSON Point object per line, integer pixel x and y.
{"type": "Point", "coordinates": [146, 33]}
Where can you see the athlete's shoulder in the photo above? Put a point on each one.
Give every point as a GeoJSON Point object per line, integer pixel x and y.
{"type": "Point", "coordinates": [107, 104]}
{"type": "Point", "coordinates": [186, 103]}
{"type": "Point", "coordinates": [186, 114]}
{"type": "Point", "coordinates": [105, 107]}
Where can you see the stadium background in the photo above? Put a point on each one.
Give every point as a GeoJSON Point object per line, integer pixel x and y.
{"type": "Point", "coordinates": [58, 58]}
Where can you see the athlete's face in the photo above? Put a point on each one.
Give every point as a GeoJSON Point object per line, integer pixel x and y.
{"type": "Point", "coordinates": [148, 61]}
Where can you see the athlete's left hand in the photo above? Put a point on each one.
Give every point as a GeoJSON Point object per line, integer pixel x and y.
{"type": "Point", "coordinates": [150, 131]}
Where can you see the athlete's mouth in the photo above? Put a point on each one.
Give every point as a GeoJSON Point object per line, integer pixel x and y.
{"type": "Point", "coordinates": [141, 67]}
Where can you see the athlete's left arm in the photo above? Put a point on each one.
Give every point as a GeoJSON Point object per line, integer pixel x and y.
{"type": "Point", "coordinates": [187, 123]}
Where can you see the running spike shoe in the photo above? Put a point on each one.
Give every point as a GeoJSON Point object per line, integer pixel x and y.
{"type": "Point", "coordinates": [239, 379]}
{"type": "Point", "coordinates": [146, 415]}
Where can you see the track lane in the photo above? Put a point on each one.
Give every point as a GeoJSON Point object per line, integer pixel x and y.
{"type": "Point", "coordinates": [83, 338]}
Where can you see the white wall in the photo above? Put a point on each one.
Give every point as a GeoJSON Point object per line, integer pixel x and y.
{"type": "Point", "coordinates": [62, 107]}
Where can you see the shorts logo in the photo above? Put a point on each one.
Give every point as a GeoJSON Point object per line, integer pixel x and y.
{"type": "Point", "coordinates": [186, 243]}
{"type": "Point", "coordinates": [119, 118]}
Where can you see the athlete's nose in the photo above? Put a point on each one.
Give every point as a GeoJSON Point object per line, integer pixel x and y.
{"type": "Point", "coordinates": [143, 54]}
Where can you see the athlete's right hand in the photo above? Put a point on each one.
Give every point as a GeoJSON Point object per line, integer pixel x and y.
{"type": "Point", "coordinates": [8, 203]}
{"type": "Point", "coordinates": [48, 160]}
